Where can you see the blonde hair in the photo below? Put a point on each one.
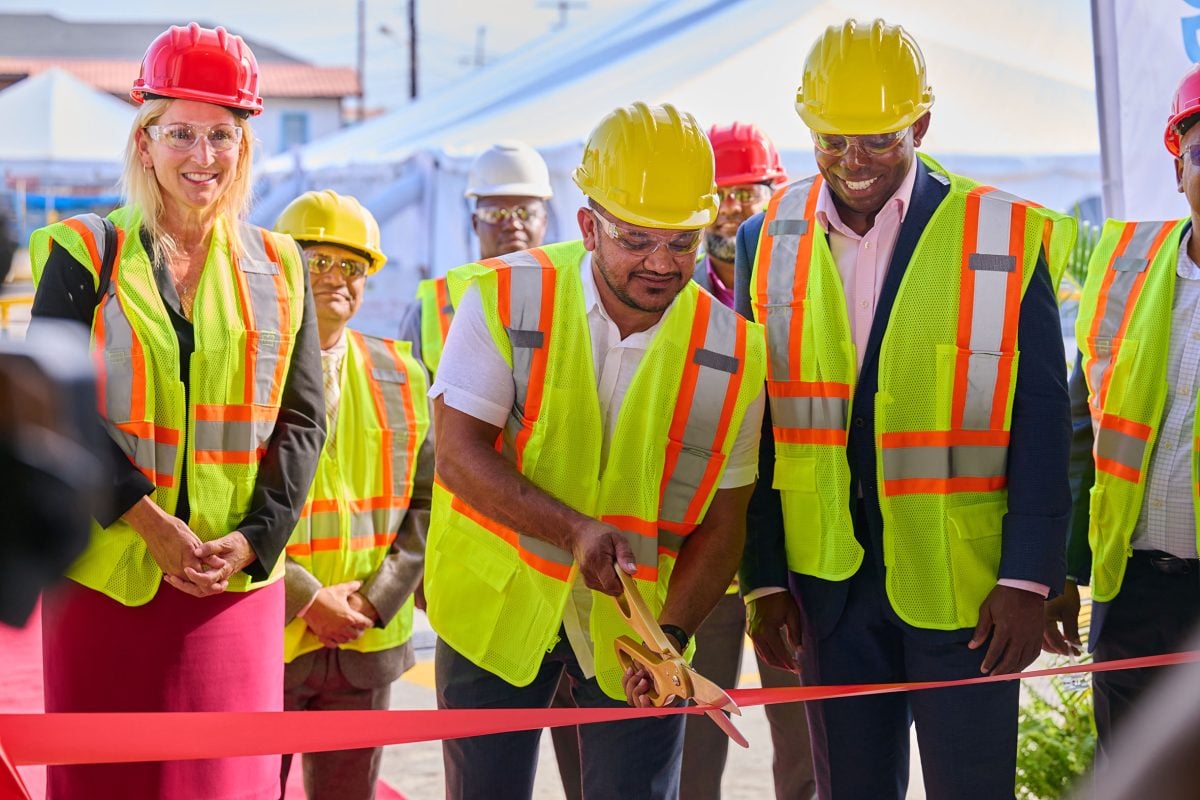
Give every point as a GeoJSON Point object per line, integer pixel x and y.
{"type": "Point", "coordinates": [139, 186]}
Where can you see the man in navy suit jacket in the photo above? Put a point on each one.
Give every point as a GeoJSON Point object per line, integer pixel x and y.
{"type": "Point", "coordinates": [877, 201]}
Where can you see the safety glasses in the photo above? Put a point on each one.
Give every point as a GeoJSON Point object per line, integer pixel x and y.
{"type": "Point", "coordinates": [183, 136]}
{"type": "Point", "coordinates": [745, 195]}
{"type": "Point", "coordinates": [320, 263]}
{"type": "Point", "coordinates": [498, 215]}
{"type": "Point", "coordinates": [875, 144]}
{"type": "Point", "coordinates": [642, 243]}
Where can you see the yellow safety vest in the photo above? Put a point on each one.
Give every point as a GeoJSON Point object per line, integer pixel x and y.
{"type": "Point", "coordinates": [437, 311]}
{"type": "Point", "coordinates": [248, 308]}
{"type": "Point", "coordinates": [364, 482]}
{"type": "Point", "coordinates": [947, 371]}
{"type": "Point", "coordinates": [1124, 332]}
{"type": "Point", "coordinates": [497, 595]}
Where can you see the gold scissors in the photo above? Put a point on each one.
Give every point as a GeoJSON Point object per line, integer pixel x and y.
{"type": "Point", "coordinates": [672, 676]}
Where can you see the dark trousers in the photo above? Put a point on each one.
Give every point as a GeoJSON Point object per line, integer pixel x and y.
{"type": "Point", "coordinates": [1154, 613]}
{"type": "Point", "coordinates": [626, 760]}
{"type": "Point", "coordinates": [336, 774]}
{"type": "Point", "coordinates": [967, 736]}
{"type": "Point", "coordinates": [718, 657]}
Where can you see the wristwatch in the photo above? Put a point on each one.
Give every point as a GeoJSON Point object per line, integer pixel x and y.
{"type": "Point", "coordinates": [678, 634]}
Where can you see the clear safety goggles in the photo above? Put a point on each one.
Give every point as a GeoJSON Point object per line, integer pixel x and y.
{"type": "Point", "coordinates": [320, 263]}
{"type": "Point", "coordinates": [183, 136]}
{"type": "Point", "coordinates": [498, 215]}
{"type": "Point", "coordinates": [876, 144]}
{"type": "Point", "coordinates": [643, 243]}
{"type": "Point", "coordinates": [750, 195]}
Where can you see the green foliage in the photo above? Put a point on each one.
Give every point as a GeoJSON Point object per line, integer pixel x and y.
{"type": "Point", "coordinates": [1056, 738]}
{"type": "Point", "coordinates": [1081, 253]}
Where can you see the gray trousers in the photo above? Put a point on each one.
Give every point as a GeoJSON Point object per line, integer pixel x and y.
{"type": "Point", "coordinates": [719, 658]}
{"type": "Point", "coordinates": [629, 760]}
{"type": "Point", "coordinates": [339, 774]}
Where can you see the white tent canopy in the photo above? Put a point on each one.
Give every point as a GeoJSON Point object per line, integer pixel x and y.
{"type": "Point", "coordinates": [59, 130]}
{"type": "Point", "coordinates": [1014, 106]}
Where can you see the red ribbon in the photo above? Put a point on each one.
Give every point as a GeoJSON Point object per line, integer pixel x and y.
{"type": "Point", "coordinates": [122, 737]}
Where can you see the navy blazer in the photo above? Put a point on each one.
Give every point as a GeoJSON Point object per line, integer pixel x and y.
{"type": "Point", "coordinates": [1039, 497]}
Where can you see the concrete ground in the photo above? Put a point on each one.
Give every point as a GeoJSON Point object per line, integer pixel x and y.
{"type": "Point", "coordinates": [416, 769]}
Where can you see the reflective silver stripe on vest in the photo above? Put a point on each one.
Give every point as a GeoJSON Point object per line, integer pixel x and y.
{"type": "Point", "coordinates": [259, 272]}
{"type": "Point", "coordinates": [118, 358]}
{"type": "Point", "coordinates": [786, 232]}
{"type": "Point", "coordinates": [992, 265]}
{"type": "Point", "coordinates": [382, 359]}
{"type": "Point", "coordinates": [645, 549]}
{"type": "Point", "coordinates": [150, 456]}
{"type": "Point", "coordinates": [324, 525]}
{"type": "Point", "coordinates": [118, 338]}
{"type": "Point", "coordinates": [527, 330]}
{"type": "Point", "coordinates": [232, 436]}
{"type": "Point", "coordinates": [713, 383]}
{"type": "Point", "coordinates": [1120, 447]}
{"type": "Point", "coordinates": [810, 413]}
{"type": "Point", "coordinates": [670, 541]}
{"type": "Point", "coordinates": [940, 463]}
{"type": "Point", "coordinates": [1137, 254]}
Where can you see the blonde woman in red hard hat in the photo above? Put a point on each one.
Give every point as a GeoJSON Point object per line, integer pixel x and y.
{"type": "Point", "coordinates": [209, 379]}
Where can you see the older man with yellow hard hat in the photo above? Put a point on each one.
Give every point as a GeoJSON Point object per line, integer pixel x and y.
{"type": "Point", "coordinates": [593, 408]}
{"type": "Point", "coordinates": [357, 554]}
{"type": "Point", "coordinates": [914, 495]}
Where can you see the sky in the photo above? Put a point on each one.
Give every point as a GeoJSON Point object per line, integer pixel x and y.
{"type": "Point", "coordinates": [324, 31]}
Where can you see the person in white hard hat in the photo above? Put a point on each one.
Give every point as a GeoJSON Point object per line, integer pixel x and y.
{"type": "Point", "coordinates": [510, 184]}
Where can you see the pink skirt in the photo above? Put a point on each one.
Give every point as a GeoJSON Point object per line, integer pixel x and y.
{"type": "Point", "coordinates": [176, 653]}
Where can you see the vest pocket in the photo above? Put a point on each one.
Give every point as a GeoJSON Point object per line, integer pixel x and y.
{"type": "Point", "coordinates": [466, 601]}
{"type": "Point", "coordinates": [796, 480]}
{"type": "Point", "coordinates": [974, 544]}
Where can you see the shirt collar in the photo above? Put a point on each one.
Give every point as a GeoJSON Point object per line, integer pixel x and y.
{"type": "Point", "coordinates": [827, 213]}
{"type": "Point", "coordinates": [591, 298]}
{"type": "Point", "coordinates": [1185, 267]}
{"type": "Point", "coordinates": [338, 349]}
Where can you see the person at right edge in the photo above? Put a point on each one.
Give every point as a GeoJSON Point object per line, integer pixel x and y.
{"type": "Point", "coordinates": [1133, 394]}
{"type": "Point", "coordinates": [913, 491]}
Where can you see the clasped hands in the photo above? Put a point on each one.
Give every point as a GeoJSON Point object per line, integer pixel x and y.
{"type": "Point", "coordinates": [198, 568]}
{"type": "Point", "coordinates": [340, 613]}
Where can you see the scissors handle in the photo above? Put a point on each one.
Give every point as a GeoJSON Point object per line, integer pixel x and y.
{"type": "Point", "coordinates": [635, 611]}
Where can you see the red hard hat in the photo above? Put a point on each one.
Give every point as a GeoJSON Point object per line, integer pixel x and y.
{"type": "Point", "coordinates": [203, 64]}
{"type": "Point", "coordinates": [744, 154]}
{"type": "Point", "coordinates": [1186, 104]}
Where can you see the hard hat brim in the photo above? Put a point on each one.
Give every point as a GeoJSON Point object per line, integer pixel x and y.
{"type": "Point", "coordinates": [511, 190]}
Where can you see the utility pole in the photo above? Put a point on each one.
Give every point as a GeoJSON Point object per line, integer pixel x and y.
{"type": "Point", "coordinates": [412, 49]}
{"type": "Point", "coordinates": [362, 60]}
{"type": "Point", "coordinates": [563, 6]}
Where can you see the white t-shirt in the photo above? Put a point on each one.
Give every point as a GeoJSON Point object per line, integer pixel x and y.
{"type": "Point", "coordinates": [474, 378]}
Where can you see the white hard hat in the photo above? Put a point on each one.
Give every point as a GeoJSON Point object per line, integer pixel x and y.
{"type": "Point", "coordinates": [509, 168]}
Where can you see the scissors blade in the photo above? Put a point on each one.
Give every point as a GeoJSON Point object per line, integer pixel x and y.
{"type": "Point", "coordinates": [707, 693]}
{"type": "Point", "coordinates": [723, 722]}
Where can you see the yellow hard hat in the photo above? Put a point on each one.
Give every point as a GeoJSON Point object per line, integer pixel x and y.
{"type": "Point", "coordinates": [331, 218]}
{"type": "Point", "coordinates": [838, 93]}
{"type": "Point", "coordinates": [650, 166]}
